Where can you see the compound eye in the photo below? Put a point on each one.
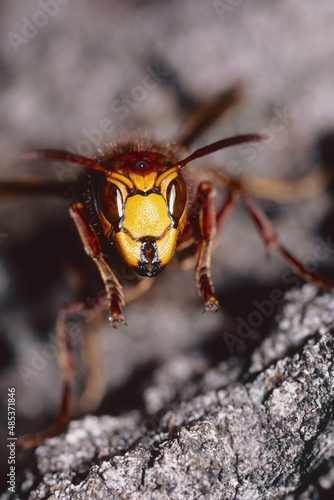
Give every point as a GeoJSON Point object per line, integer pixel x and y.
{"type": "Point", "coordinates": [176, 197]}
{"type": "Point", "coordinates": [111, 201]}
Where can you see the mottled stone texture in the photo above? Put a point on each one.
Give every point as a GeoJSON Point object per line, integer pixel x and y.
{"type": "Point", "coordinates": [269, 435]}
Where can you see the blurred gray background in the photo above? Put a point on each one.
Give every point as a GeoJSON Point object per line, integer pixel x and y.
{"type": "Point", "coordinates": [66, 68]}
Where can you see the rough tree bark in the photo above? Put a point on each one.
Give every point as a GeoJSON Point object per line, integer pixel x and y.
{"type": "Point", "coordinates": [265, 431]}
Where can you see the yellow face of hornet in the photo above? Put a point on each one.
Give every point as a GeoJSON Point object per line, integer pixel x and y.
{"type": "Point", "coordinates": [144, 205]}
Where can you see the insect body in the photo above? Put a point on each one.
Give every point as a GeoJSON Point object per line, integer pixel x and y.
{"type": "Point", "coordinates": [133, 197]}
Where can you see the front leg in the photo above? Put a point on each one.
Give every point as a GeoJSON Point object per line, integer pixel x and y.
{"type": "Point", "coordinates": [198, 236]}
{"type": "Point", "coordinates": [207, 225]}
{"type": "Point", "coordinates": [93, 249]}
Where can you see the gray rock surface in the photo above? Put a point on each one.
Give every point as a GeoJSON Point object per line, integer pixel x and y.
{"type": "Point", "coordinates": [270, 436]}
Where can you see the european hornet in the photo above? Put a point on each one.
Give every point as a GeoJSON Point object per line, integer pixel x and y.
{"type": "Point", "coordinates": [134, 197]}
